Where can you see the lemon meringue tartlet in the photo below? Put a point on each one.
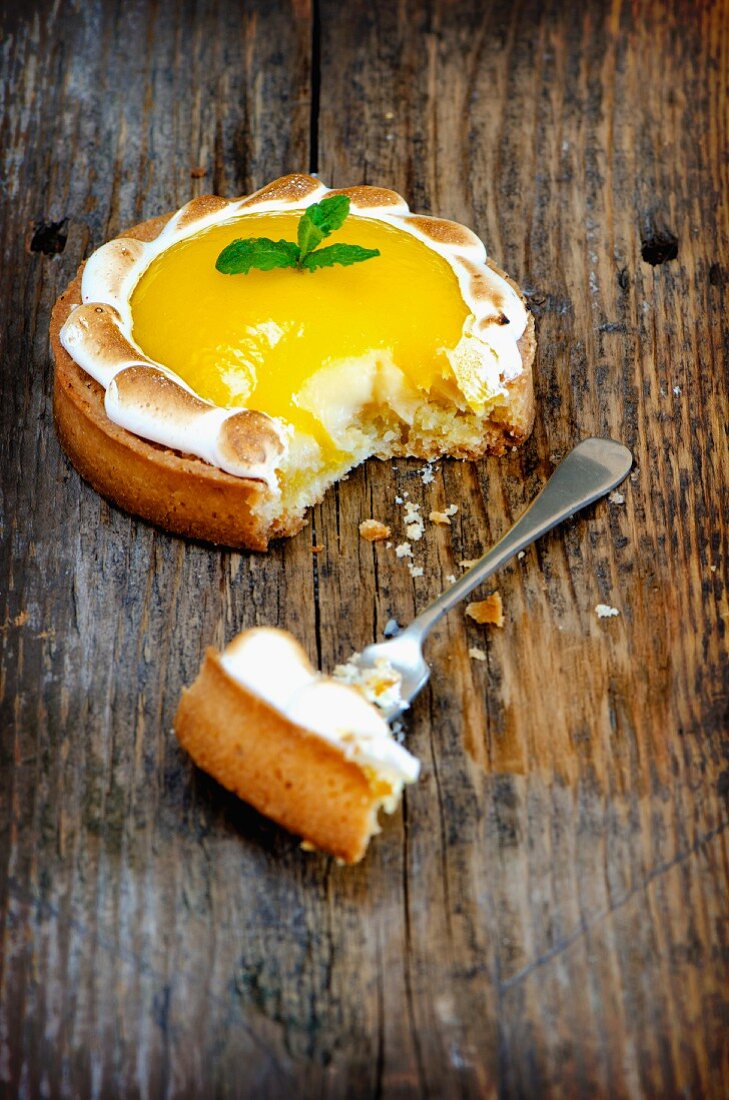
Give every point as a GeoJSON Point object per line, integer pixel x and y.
{"type": "Point", "coordinates": [223, 407]}
{"type": "Point", "coordinates": [306, 750]}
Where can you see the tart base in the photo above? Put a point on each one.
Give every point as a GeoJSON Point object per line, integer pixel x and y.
{"type": "Point", "coordinates": [290, 775]}
{"type": "Point", "coordinates": [187, 496]}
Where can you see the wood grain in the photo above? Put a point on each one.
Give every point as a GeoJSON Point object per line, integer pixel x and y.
{"type": "Point", "coordinates": [547, 916]}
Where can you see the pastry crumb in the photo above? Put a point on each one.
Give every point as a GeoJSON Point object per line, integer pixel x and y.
{"type": "Point", "coordinates": [404, 550]}
{"type": "Point", "coordinates": [374, 531]}
{"type": "Point", "coordinates": [451, 578]}
{"type": "Point", "coordinates": [318, 548]}
{"type": "Point", "coordinates": [444, 518]}
{"type": "Point", "coordinates": [427, 474]}
{"type": "Point", "coordinates": [307, 846]}
{"type": "Point", "coordinates": [521, 554]}
{"type": "Point", "coordinates": [392, 627]}
{"type": "Point", "coordinates": [379, 684]}
{"type": "Point", "coordinates": [198, 172]}
{"type": "Point", "coordinates": [616, 497]}
{"type": "Point", "coordinates": [414, 525]}
{"type": "Point", "coordinates": [467, 563]}
{"type": "Point", "coordinates": [476, 654]}
{"type": "Point", "coordinates": [604, 611]}
{"type": "Point", "coordinates": [490, 610]}
{"type": "Point", "coordinates": [415, 570]}
{"type": "Point", "coordinates": [677, 391]}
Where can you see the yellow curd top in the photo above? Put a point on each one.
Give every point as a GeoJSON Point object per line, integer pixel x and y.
{"type": "Point", "coordinates": [254, 340]}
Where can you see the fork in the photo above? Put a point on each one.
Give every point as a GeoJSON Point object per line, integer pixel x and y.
{"type": "Point", "coordinates": [590, 470]}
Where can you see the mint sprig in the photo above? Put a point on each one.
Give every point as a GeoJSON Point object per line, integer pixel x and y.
{"type": "Point", "coordinates": [315, 225]}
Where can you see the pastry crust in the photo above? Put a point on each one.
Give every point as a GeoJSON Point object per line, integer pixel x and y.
{"type": "Point", "coordinates": [189, 496]}
{"type": "Point", "coordinates": [284, 771]}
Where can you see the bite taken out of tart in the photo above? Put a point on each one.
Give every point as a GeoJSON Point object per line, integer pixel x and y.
{"type": "Point", "coordinates": [220, 404]}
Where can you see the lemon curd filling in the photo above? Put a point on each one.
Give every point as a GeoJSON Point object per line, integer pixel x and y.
{"type": "Point", "coordinates": [258, 340]}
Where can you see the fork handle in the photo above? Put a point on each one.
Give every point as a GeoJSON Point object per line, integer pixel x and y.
{"type": "Point", "coordinates": [590, 470]}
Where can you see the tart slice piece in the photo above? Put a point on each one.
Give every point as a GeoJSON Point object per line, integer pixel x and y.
{"type": "Point", "coordinates": [304, 749]}
{"type": "Point", "coordinates": [222, 406]}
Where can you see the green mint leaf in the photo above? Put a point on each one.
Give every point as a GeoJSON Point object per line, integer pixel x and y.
{"type": "Point", "coordinates": [239, 257]}
{"type": "Point", "coordinates": [319, 220]}
{"type": "Point", "coordinates": [308, 235]}
{"type": "Point", "coordinates": [344, 254]}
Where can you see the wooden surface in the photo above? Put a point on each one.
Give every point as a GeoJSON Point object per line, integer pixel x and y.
{"type": "Point", "coordinates": [547, 916]}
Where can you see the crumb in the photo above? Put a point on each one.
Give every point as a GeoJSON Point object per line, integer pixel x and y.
{"type": "Point", "coordinates": [21, 618]}
{"type": "Point", "coordinates": [677, 391]}
{"type": "Point", "coordinates": [451, 578]}
{"type": "Point", "coordinates": [616, 497]}
{"type": "Point", "coordinates": [521, 554]}
{"type": "Point", "coordinates": [388, 545]}
{"type": "Point", "coordinates": [427, 475]}
{"type": "Point", "coordinates": [398, 732]}
{"type": "Point", "coordinates": [399, 500]}
{"type": "Point", "coordinates": [307, 846]}
{"type": "Point", "coordinates": [415, 570]}
{"type": "Point", "coordinates": [441, 518]}
{"type": "Point", "coordinates": [451, 509]}
{"type": "Point", "coordinates": [604, 611]}
{"type": "Point", "coordinates": [392, 627]}
{"type": "Point", "coordinates": [380, 684]}
{"type": "Point", "coordinates": [404, 550]}
{"type": "Point", "coordinates": [476, 654]}
{"type": "Point", "coordinates": [414, 525]}
{"type": "Point", "coordinates": [318, 548]}
{"type": "Point", "coordinates": [374, 531]}
{"type": "Point", "coordinates": [490, 610]}
{"type": "Point", "coordinates": [389, 114]}
{"type": "Point", "coordinates": [467, 563]}
{"type": "Point", "coordinates": [634, 474]}
{"type": "Point", "coordinates": [198, 172]}
{"type": "Point", "coordinates": [712, 568]}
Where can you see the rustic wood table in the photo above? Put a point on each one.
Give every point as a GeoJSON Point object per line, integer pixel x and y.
{"type": "Point", "coordinates": [547, 916]}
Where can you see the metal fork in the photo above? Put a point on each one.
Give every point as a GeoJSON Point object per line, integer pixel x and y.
{"type": "Point", "coordinates": [589, 471]}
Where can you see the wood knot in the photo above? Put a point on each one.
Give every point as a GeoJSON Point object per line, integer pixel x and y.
{"type": "Point", "coordinates": [716, 275]}
{"type": "Point", "coordinates": [49, 237]}
{"type": "Point", "coordinates": [658, 243]}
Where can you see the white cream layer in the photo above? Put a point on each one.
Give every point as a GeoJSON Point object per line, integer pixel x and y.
{"type": "Point", "coordinates": [270, 664]}
{"type": "Point", "coordinates": [113, 271]}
